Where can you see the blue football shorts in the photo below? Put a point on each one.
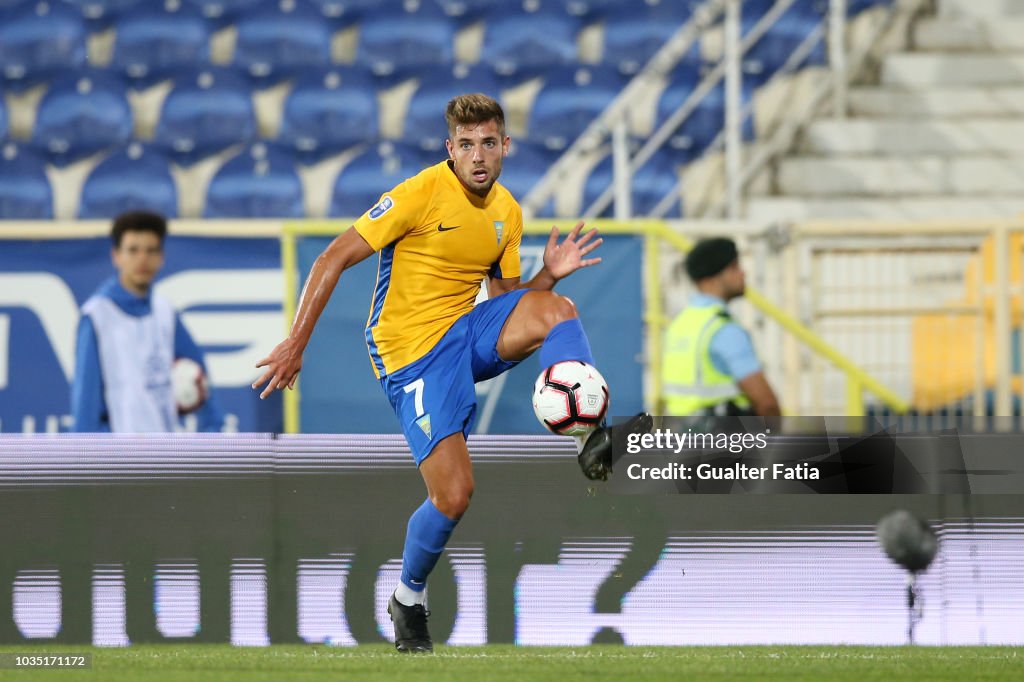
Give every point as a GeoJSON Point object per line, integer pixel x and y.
{"type": "Point", "coordinates": [434, 396]}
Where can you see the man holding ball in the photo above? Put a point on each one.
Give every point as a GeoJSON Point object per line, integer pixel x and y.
{"type": "Point", "coordinates": [133, 347]}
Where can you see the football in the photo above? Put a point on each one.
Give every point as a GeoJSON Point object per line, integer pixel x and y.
{"type": "Point", "coordinates": [570, 398]}
{"type": "Point", "coordinates": [189, 382]}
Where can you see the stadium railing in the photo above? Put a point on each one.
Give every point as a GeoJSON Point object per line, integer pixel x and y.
{"type": "Point", "coordinates": [611, 125]}
{"type": "Point", "coordinates": [942, 296]}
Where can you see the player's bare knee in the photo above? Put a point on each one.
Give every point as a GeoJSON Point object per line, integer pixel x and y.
{"type": "Point", "coordinates": [557, 309]}
{"type": "Point", "coordinates": [453, 503]}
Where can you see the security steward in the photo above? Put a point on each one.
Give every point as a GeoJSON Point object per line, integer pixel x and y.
{"type": "Point", "coordinates": [710, 366]}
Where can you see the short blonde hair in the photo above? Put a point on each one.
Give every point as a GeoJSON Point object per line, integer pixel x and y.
{"type": "Point", "coordinates": [471, 109]}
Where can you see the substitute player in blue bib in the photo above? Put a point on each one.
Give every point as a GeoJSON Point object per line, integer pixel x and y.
{"type": "Point", "coordinates": [439, 235]}
{"type": "Point", "coordinates": [128, 340]}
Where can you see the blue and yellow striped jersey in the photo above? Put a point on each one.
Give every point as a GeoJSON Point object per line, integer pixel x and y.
{"type": "Point", "coordinates": [437, 242]}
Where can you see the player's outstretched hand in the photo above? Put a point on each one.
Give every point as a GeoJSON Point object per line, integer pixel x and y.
{"type": "Point", "coordinates": [283, 365]}
{"type": "Point", "coordinates": [561, 260]}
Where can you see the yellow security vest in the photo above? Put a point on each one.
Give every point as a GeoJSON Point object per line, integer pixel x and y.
{"type": "Point", "coordinates": [690, 381]}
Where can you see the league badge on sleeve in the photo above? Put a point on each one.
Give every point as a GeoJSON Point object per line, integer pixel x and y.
{"type": "Point", "coordinates": [382, 207]}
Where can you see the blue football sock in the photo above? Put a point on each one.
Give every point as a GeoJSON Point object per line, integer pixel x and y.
{"type": "Point", "coordinates": [566, 341]}
{"type": "Point", "coordinates": [425, 538]}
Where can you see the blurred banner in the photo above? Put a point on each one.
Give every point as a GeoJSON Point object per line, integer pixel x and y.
{"type": "Point", "coordinates": [228, 291]}
{"type": "Point", "coordinates": [252, 539]}
{"type": "Point", "coordinates": [339, 393]}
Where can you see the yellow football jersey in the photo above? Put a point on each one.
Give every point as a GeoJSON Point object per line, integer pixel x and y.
{"type": "Point", "coordinates": [437, 242]}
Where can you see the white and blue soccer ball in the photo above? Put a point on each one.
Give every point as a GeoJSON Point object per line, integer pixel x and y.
{"type": "Point", "coordinates": [570, 398]}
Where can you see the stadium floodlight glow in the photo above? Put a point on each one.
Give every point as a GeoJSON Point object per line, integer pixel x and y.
{"type": "Point", "coordinates": [909, 542]}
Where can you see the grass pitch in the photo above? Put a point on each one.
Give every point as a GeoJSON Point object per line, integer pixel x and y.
{"type": "Point", "coordinates": [284, 663]}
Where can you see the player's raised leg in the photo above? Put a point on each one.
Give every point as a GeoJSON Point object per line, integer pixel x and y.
{"type": "Point", "coordinates": [550, 322]}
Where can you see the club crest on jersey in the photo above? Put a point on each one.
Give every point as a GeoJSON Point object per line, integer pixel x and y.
{"type": "Point", "coordinates": [424, 423]}
{"type": "Point", "coordinates": [382, 207]}
{"type": "Point", "coordinates": [499, 226]}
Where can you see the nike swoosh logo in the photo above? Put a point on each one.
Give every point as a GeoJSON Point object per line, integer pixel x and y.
{"type": "Point", "coordinates": [442, 228]}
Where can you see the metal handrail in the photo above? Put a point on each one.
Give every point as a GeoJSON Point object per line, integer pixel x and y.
{"type": "Point", "coordinates": [707, 84]}
{"type": "Point", "coordinates": [792, 64]}
{"type": "Point", "coordinates": [600, 128]}
{"type": "Point", "coordinates": [782, 138]}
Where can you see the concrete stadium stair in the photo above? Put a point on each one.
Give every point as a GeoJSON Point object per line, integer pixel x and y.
{"type": "Point", "coordinates": [970, 34]}
{"type": "Point", "coordinates": [937, 103]}
{"type": "Point", "coordinates": [901, 137]}
{"type": "Point", "coordinates": [906, 207]}
{"type": "Point", "coordinates": [941, 134]}
{"type": "Point", "coordinates": [900, 176]}
{"type": "Point", "coordinates": [923, 70]}
{"type": "Point", "coordinates": [989, 9]}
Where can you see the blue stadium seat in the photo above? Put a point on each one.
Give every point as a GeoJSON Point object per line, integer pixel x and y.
{"type": "Point", "coordinates": [205, 113]}
{"type": "Point", "coordinates": [468, 11]}
{"type": "Point", "coordinates": [854, 7]}
{"type": "Point", "coordinates": [634, 34]}
{"type": "Point", "coordinates": [590, 10]}
{"type": "Point", "coordinates": [25, 192]}
{"type": "Point", "coordinates": [651, 183]}
{"type": "Point", "coordinates": [569, 100]}
{"type": "Point", "coordinates": [773, 50]}
{"type": "Point", "coordinates": [82, 114]}
{"type": "Point", "coordinates": [155, 42]}
{"type": "Point", "coordinates": [350, 11]}
{"type": "Point", "coordinates": [391, 43]}
{"type": "Point", "coordinates": [519, 44]}
{"type": "Point", "coordinates": [223, 12]}
{"type": "Point", "coordinates": [328, 111]}
{"type": "Point", "coordinates": [525, 164]}
{"type": "Point", "coordinates": [261, 182]}
{"type": "Point", "coordinates": [101, 13]}
{"type": "Point", "coordinates": [705, 122]}
{"type": "Point", "coordinates": [361, 183]}
{"type": "Point", "coordinates": [39, 41]}
{"type": "Point", "coordinates": [282, 39]}
{"type": "Point", "coordinates": [424, 121]}
{"type": "Point", "coordinates": [671, 11]}
{"type": "Point", "coordinates": [135, 178]}
{"type": "Point", "coordinates": [755, 9]}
